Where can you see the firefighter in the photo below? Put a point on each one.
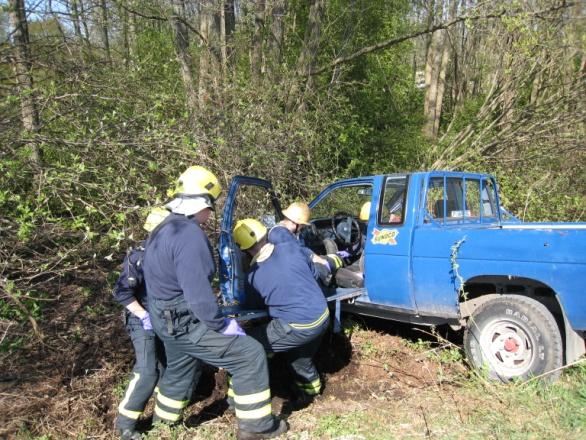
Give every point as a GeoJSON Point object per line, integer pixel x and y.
{"type": "Point", "coordinates": [280, 274]}
{"type": "Point", "coordinates": [178, 269]}
{"type": "Point", "coordinates": [351, 275]}
{"type": "Point", "coordinates": [149, 352]}
{"type": "Point", "coordinates": [297, 215]}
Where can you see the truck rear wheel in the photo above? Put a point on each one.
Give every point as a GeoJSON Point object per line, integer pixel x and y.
{"type": "Point", "coordinates": [514, 337]}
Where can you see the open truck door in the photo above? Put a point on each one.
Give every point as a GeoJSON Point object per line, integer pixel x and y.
{"type": "Point", "coordinates": [248, 197]}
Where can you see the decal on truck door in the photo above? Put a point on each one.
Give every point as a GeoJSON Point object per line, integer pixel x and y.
{"type": "Point", "coordinates": [385, 236]}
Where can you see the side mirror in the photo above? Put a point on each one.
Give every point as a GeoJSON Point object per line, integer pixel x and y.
{"type": "Point", "coordinates": [365, 192]}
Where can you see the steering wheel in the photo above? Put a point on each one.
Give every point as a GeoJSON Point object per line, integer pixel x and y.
{"type": "Point", "coordinates": [346, 229]}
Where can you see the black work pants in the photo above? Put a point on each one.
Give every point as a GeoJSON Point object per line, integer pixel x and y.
{"type": "Point", "coordinates": [299, 345]}
{"type": "Point", "coordinates": [187, 340]}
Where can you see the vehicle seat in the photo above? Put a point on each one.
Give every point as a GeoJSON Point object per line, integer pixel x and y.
{"type": "Point", "coordinates": [351, 276]}
{"type": "Point", "coordinates": [438, 208]}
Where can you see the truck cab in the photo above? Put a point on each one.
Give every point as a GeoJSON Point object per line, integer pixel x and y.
{"type": "Point", "coordinates": [437, 248]}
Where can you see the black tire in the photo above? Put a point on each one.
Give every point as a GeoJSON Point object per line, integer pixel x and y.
{"type": "Point", "coordinates": [513, 337]}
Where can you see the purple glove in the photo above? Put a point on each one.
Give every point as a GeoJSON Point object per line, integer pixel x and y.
{"type": "Point", "coordinates": [146, 322]}
{"type": "Point", "coordinates": [343, 254]}
{"type": "Point", "coordinates": [232, 328]}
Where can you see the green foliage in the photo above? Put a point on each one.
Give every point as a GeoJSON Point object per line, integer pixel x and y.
{"type": "Point", "coordinates": [31, 300]}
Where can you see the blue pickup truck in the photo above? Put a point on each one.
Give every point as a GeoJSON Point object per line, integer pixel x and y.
{"type": "Point", "coordinates": [437, 248]}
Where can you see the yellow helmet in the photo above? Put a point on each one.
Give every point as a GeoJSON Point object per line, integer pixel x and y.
{"type": "Point", "coordinates": [197, 181]}
{"type": "Point", "coordinates": [365, 212]}
{"type": "Point", "coordinates": [298, 212]}
{"type": "Point", "coordinates": [155, 217]}
{"type": "Point", "coordinates": [248, 232]}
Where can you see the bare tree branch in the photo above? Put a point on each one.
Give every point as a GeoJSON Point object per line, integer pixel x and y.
{"type": "Point", "coordinates": [439, 26]}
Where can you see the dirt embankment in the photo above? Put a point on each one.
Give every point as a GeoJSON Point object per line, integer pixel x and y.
{"type": "Point", "coordinates": [69, 385]}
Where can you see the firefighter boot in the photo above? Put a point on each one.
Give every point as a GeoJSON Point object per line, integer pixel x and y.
{"type": "Point", "coordinates": [279, 427]}
{"type": "Point", "coordinates": [129, 434]}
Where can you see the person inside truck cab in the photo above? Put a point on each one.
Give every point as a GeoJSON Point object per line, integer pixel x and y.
{"type": "Point", "coordinates": [296, 217]}
{"type": "Point", "coordinates": [351, 274]}
{"type": "Point", "coordinates": [393, 208]}
{"type": "Point", "coordinates": [281, 276]}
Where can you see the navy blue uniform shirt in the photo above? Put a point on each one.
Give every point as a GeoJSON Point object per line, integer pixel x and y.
{"type": "Point", "coordinates": [279, 234]}
{"type": "Point", "coordinates": [285, 282]}
{"type": "Point", "coordinates": [179, 261]}
{"type": "Point", "coordinates": [126, 292]}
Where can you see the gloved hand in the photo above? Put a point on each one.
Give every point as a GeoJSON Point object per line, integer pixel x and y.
{"type": "Point", "coordinates": [232, 328]}
{"type": "Point", "coordinates": [146, 321]}
{"type": "Point", "coordinates": [343, 254]}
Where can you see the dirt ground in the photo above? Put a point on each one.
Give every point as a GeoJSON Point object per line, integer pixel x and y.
{"type": "Point", "coordinates": [69, 385]}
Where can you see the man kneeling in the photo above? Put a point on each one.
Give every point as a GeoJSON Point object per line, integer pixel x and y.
{"type": "Point", "coordinates": [282, 277]}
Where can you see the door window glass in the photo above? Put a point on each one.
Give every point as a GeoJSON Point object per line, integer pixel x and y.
{"type": "Point", "coordinates": [472, 209]}
{"type": "Point", "coordinates": [346, 199]}
{"type": "Point", "coordinates": [435, 198]}
{"type": "Point", "coordinates": [488, 199]}
{"type": "Point", "coordinates": [445, 199]}
{"type": "Point", "coordinates": [394, 197]}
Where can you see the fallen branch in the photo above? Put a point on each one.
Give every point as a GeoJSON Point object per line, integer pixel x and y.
{"type": "Point", "coordinates": [547, 373]}
{"type": "Point", "coordinates": [431, 29]}
{"type": "Point", "coordinates": [22, 308]}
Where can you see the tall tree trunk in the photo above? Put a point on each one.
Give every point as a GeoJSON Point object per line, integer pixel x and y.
{"type": "Point", "coordinates": [74, 12]}
{"type": "Point", "coordinates": [85, 26]}
{"type": "Point", "coordinates": [434, 96]}
{"type": "Point", "coordinates": [276, 41]}
{"type": "Point", "coordinates": [429, 51]}
{"type": "Point", "coordinates": [210, 57]}
{"type": "Point", "coordinates": [123, 13]}
{"type": "Point", "coordinates": [223, 43]}
{"type": "Point", "coordinates": [23, 69]}
{"type": "Point", "coordinates": [132, 31]}
{"type": "Point", "coordinates": [227, 28]}
{"type": "Point", "coordinates": [308, 56]}
{"type": "Point", "coordinates": [432, 70]}
{"type": "Point", "coordinates": [230, 14]}
{"type": "Point", "coordinates": [256, 53]}
{"type": "Point", "coordinates": [104, 30]}
{"type": "Point", "coordinates": [205, 25]}
{"type": "Point", "coordinates": [441, 86]}
{"type": "Point", "coordinates": [181, 45]}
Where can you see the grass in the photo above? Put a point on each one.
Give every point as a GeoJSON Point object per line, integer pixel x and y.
{"type": "Point", "coordinates": [393, 388]}
{"type": "Point", "coordinates": [472, 409]}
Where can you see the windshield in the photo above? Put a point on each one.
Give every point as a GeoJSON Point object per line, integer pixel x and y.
{"type": "Point", "coordinates": [346, 199]}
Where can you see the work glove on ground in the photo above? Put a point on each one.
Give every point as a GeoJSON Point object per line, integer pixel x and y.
{"type": "Point", "coordinates": [232, 328]}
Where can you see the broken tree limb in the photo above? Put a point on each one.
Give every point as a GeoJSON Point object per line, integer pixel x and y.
{"type": "Point", "coordinates": [437, 27]}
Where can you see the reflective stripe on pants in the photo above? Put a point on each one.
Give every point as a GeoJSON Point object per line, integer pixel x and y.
{"type": "Point", "coordinates": [298, 346]}
{"type": "Point", "coordinates": [244, 358]}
